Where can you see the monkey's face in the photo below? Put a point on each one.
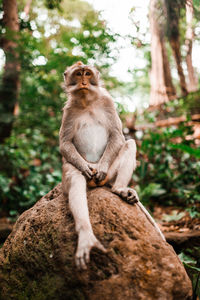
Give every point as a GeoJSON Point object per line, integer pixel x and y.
{"type": "Point", "coordinates": [81, 79]}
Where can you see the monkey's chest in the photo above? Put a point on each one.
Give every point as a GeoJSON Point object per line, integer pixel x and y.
{"type": "Point", "coordinates": [91, 140]}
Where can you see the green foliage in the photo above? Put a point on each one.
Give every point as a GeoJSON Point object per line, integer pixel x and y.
{"type": "Point", "coordinates": [169, 157]}
{"type": "Point", "coordinates": [51, 4]}
{"type": "Point", "coordinates": [192, 266]}
{"type": "Point", "coordinates": [30, 167]}
{"type": "Point", "coordinates": [169, 168]}
{"type": "Point", "coordinates": [48, 42]}
{"type": "Point", "coordinates": [174, 216]}
{"type": "Point", "coordinates": [150, 190]}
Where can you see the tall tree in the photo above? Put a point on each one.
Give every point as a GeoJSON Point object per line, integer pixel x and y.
{"type": "Point", "coordinates": [192, 78]}
{"type": "Point", "coordinates": [162, 88]}
{"type": "Point", "coordinates": [173, 15]}
{"type": "Point", "coordinates": [10, 80]}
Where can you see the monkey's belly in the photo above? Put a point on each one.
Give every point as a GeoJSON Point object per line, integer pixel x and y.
{"type": "Point", "coordinates": [91, 141]}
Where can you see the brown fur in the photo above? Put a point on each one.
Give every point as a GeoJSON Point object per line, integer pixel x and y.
{"type": "Point", "coordinates": [94, 151]}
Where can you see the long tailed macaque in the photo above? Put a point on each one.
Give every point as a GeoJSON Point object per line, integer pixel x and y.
{"type": "Point", "coordinates": [94, 152]}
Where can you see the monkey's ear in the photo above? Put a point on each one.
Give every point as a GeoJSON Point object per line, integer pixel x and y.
{"type": "Point", "coordinates": [79, 63]}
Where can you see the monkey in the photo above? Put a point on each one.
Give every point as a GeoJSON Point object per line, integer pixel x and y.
{"type": "Point", "coordinates": [94, 152]}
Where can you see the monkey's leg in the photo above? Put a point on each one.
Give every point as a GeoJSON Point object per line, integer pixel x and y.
{"type": "Point", "coordinates": [74, 186]}
{"type": "Point", "coordinates": [121, 171]}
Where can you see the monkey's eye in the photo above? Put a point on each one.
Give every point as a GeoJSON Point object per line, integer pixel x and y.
{"type": "Point", "coordinates": [78, 74]}
{"type": "Point", "coordinates": [87, 73]}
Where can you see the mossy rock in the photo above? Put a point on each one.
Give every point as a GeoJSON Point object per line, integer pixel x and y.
{"type": "Point", "coordinates": [37, 259]}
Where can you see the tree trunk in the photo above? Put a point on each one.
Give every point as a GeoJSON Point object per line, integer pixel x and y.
{"type": "Point", "coordinates": [26, 11]}
{"type": "Point", "coordinates": [10, 82]}
{"type": "Point", "coordinates": [175, 44]}
{"type": "Point", "coordinates": [172, 16]}
{"type": "Point", "coordinates": [162, 89]}
{"type": "Point", "coordinates": [193, 82]}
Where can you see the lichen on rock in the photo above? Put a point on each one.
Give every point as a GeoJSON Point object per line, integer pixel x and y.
{"type": "Point", "coordinates": [37, 259]}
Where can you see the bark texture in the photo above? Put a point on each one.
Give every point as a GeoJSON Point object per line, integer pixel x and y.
{"type": "Point", "coordinates": [10, 82]}
{"type": "Point", "coordinates": [162, 89]}
{"type": "Point", "coordinates": [192, 78]}
{"type": "Point", "coordinates": [175, 45]}
{"type": "Point", "coordinates": [173, 15]}
{"type": "Point", "coordinates": [37, 259]}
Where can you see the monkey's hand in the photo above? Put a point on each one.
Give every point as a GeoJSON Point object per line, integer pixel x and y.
{"type": "Point", "coordinates": [86, 241]}
{"type": "Point", "coordinates": [102, 170]}
{"type": "Point", "coordinates": [87, 170]}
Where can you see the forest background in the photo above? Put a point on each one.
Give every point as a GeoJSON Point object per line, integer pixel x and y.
{"type": "Point", "coordinates": [39, 39]}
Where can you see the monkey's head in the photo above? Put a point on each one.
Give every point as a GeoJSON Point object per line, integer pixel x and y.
{"type": "Point", "coordinates": [81, 79]}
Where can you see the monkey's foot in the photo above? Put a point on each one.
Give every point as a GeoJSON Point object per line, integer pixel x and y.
{"type": "Point", "coordinates": [86, 241]}
{"type": "Point", "coordinates": [127, 194]}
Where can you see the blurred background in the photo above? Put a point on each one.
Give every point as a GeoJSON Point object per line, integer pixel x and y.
{"type": "Point", "coordinates": [148, 55]}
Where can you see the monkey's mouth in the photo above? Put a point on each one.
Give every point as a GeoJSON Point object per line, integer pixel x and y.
{"type": "Point", "coordinates": [83, 88]}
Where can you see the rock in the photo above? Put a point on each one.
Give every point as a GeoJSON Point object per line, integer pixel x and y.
{"type": "Point", "coordinates": [37, 259]}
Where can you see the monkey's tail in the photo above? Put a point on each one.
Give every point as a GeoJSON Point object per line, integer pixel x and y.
{"type": "Point", "coordinates": [151, 220]}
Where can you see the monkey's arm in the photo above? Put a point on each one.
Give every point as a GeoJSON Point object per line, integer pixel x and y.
{"type": "Point", "coordinates": [113, 147]}
{"type": "Point", "coordinates": [70, 153]}
{"type": "Point", "coordinates": [67, 148]}
{"type": "Point", "coordinates": [115, 143]}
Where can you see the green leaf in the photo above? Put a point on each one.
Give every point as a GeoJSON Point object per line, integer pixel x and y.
{"type": "Point", "coordinates": [186, 258]}
{"type": "Point", "coordinates": [191, 267]}
{"type": "Point", "coordinates": [187, 149]}
{"type": "Point", "coordinates": [174, 216]}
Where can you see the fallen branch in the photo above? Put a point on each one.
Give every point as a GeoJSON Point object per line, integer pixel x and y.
{"type": "Point", "coordinates": [183, 240]}
{"type": "Point", "coordinates": [169, 122]}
